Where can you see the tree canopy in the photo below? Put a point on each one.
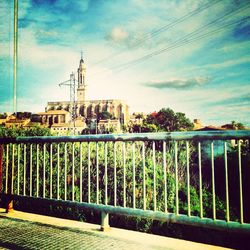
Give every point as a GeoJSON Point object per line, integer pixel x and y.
{"type": "Point", "coordinates": [164, 120]}
{"type": "Point", "coordinates": [14, 132]}
{"type": "Point", "coordinates": [237, 125]}
{"type": "Point", "coordinates": [105, 115]}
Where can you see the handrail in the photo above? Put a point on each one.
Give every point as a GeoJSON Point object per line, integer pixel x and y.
{"type": "Point", "coordinates": [123, 174]}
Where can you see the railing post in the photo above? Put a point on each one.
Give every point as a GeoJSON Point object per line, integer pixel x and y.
{"type": "Point", "coordinates": [104, 221]}
{"type": "Point", "coordinates": [6, 199]}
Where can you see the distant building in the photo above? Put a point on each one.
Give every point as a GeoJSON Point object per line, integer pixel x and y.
{"type": "Point", "coordinates": [209, 128]}
{"type": "Point", "coordinates": [109, 126]}
{"type": "Point", "coordinates": [90, 109]}
{"type": "Point", "coordinates": [66, 129]}
{"type": "Point", "coordinates": [59, 122]}
{"type": "Point", "coordinates": [197, 124]}
{"type": "Point", "coordinates": [3, 118]}
{"type": "Point", "coordinates": [52, 117]}
{"type": "Point", "coordinates": [13, 122]}
{"type": "Point", "coordinates": [137, 118]}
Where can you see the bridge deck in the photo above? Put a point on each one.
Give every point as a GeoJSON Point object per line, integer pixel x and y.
{"type": "Point", "coordinates": [21, 230]}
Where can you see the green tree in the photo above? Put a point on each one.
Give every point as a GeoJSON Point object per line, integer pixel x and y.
{"type": "Point", "coordinates": [14, 132]}
{"type": "Point", "coordinates": [167, 120]}
{"type": "Point", "coordinates": [105, 115]}
{"type": "Point", "coordinates": [164, 120]}
{"type": "Point", "coordinates": [238, 125]}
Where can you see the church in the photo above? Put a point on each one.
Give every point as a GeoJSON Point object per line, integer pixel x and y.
{"type": "Point", "coordinates": [87, 110]}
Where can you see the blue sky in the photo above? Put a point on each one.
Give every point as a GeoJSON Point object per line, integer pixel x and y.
{"type": "Point", "coordinates": [192, 56]}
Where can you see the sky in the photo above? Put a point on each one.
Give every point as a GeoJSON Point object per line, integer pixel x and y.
{"type": "Point", "coordinates": [189, 55]}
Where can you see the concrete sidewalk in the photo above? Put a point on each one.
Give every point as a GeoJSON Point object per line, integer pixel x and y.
{"type": "Point", "coordinates": [19, 230]}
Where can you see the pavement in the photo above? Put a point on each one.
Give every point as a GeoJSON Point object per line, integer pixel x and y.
{"type": "Point", "coordinates": [19, 230]}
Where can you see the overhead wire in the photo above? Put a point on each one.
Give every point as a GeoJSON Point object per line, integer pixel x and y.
{"type": "Point", "coordinates": [158, 31]}
{"type": "Point", "coordinates": [184, 40]}
{"type": "Point", "coordinates": [184, 43]}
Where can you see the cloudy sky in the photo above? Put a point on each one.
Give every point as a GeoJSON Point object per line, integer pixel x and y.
{"type": "Point", "coordinates": [192, 56]}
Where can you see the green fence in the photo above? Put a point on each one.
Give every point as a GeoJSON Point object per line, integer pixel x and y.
{"type": "Point", "coordinates": [196, 178]}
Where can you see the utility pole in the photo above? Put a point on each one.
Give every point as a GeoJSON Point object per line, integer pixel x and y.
{"type": "Point", "coordinates": [72, 108]}
{"type": "Point", "coordinates": [15, 54]}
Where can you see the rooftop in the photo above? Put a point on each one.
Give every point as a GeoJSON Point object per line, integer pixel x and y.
{"type": "Point", "coordinates": [54, 112]}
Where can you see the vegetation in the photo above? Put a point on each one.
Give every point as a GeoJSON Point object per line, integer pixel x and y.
{"type": "Point", "coordinates": [130, 174]}
{"type": "Point", "coordinates": [15, 132]}
{"type": "Point", "coordinates": [154, 122]}
{"type": "Point", "coordinates": [237, 125]}
{"type": "Point", "coordinates": [105, 115]}
{"type": "Point", "coordinates": [3, 116]}
{"type": "Point", "coordinates": [164, 120]}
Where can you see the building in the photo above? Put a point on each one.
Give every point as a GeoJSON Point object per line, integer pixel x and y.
{"type": "Point", "coordinates": [107, 126]}
{"type": "Point", "coordinates": [53, 117]}
{"type": "Point", "coordinates": [4, 117]}
{"type": "Point", "coordinates": [14, 122]}
{"type": "Point", "coordinates": [90, 109]}
{"type": "Point", "coordinates": [197, 124]}
{"type": "Point", "coordinates": [59, 122]}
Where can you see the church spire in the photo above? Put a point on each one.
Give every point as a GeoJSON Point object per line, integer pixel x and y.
{"type": "Point", "coordinates": [81, 80]}
{"type": "Point", "coordinates": [81, 61]}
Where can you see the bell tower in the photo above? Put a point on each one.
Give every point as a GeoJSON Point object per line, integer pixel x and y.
{"type": "Point", "coordinates": [81, 89]}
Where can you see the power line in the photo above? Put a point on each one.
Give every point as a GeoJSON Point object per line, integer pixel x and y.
{"type": "Point", "coordinates": [189, 41]}
{"type": "Point", "coordinates": [161, 29]}
{"type": "Point", "coordinates": [184, 40]}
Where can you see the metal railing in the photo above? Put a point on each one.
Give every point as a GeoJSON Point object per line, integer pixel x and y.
{"type": "Point", "coordinates": [196, 178]}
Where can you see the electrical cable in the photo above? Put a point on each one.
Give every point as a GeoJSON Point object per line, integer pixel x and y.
{"type": "Point", "coordinates": [152, 34]}
{"type": "Point", "coordinates": [183, 40]}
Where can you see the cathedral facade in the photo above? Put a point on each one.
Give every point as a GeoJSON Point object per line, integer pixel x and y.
{"type": "Point", "coordinates": [90, 109]}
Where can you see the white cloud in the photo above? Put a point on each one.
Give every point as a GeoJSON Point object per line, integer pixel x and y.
{"type": "Point", "coordinates": [177, 83]}
{"type": "Point", "coordinates": [118, 35]}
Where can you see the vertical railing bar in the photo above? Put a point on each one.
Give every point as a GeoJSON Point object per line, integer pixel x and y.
{"type": "Point", "coordinates": [37, 170]}
{"type": "Point", "coordinates": [65, 171]}
{"type": "Point", "coordinates": [12, 168]}
{"type": "Point", "coordinates": [44, 168]}
{"type": "Point", "coordinates": [176, 178]}
{"type": "Point", "coordinates": [200, 180]}
{"type": "Point", "coordinates": [81, 171]}
{"type": "Point", "coordinates": [24, 169]}
{"type": "Point", "coordinates": [115, 177]}
{"type": "Point", "coordinates": [51, 169]}
{"type": "Point", "coordinates": [165, 177]}
{"type": "Point", "coordinates": [73, 171]}
{"type": "Point", "coordinates": [7, 169]}
{"type": "Point", "coordinates": [18, 169]}
{"type": "Point", "coordinates": [88, 172]}
{"type": "Point", "coordinates": [58, 172]}
{"type": "Point", "coordinates": [31, 163]}
{"type": "Point", "coordinates": [188, 178]}
{"type": "Point", "coordinates": [106, 172]}
{"type": "Point", "coordinates": [124, 173]}
{"type": "Point", "coordinates": [133, 159]}
{"type": "Point", "coordinates": [144, 176]}
{"type": "Point", "coordinates": [97, 173]}
{"type": "Point", "coordinates": [240, 183]}
{"type": "Point", "coordinates": [226, 182]}
{"type": "Point", "coordinates": [213, 180]}
{"type": "Point", "coordinates": [154, 175]}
